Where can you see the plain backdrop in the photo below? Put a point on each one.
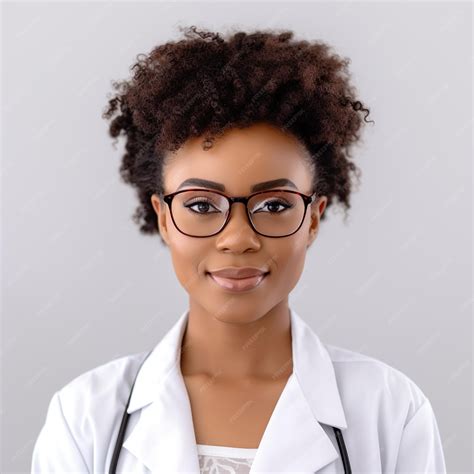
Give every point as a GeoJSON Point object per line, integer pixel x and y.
{"type": "Point", "coordinates": [81, 286]}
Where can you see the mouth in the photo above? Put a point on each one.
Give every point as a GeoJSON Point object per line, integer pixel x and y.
{"type": "Point", "coordinates": [238, 284]}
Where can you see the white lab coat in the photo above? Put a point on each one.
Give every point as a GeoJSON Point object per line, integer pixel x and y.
{"type": "Point", "coordinates": [387, 422]}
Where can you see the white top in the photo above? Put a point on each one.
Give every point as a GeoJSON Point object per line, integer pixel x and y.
{"type": "Point", "coordinates": [225, 459]}
{"type": "Point", "coordinates": [387, 421]}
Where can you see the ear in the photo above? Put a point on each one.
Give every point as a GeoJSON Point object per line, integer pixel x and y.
{"type": "Point", "coordinates": [160, 209]}
{"type": "Point", "coordinates": [317, 208]}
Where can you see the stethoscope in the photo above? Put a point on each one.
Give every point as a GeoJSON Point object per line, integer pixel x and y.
{"type": "Point", "coordinates": [126, 416]}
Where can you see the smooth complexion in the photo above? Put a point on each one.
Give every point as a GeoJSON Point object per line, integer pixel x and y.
{"type": "Point", "coordinates": [237, 350]}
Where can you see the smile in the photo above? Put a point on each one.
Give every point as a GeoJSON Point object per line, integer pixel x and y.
{"type": "Point", "coordinates": [238, 284]}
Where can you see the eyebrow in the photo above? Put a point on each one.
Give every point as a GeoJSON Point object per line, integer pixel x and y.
{"type": "Point", "coordinates": [255, 188]}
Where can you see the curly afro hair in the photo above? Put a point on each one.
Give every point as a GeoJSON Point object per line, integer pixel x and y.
{"type": "Point", "coordinates": [204, 84]}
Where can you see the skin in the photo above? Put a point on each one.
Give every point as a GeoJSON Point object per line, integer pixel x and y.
{"type": "Point", "coordinates": [236, 350]}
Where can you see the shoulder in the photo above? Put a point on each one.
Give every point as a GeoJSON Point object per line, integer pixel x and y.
{"type": "Point", "coordinates": [387, 410]}
{"type": "Point", "coordinates": [366, 379]}
{"type": "Point", "coordinates": [81, 417]}
{"type": "Point", "coordinates": [102, 384]}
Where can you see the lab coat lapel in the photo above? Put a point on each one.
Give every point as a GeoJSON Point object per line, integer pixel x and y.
{"type": "Point", "coordinates": [296, 436]}
{"type": "Point", "coordinates": [163, 437]}
{"type": "Point", "coordinates": [293, 440]}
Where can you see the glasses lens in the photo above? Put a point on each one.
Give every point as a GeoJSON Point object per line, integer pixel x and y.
{"type": "Point", "coordinates": [202, 213]}
{"type": "Point", "coordinates": [199, 213]}
{"type": "Point", "coordinates": [276, 213]}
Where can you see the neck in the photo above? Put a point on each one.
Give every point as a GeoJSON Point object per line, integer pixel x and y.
{"type": "Point", "coordinates": [261, 348]}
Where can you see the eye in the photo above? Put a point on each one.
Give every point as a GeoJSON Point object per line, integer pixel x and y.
{"type": "Point", "coordinates": [200, 202]}
{"type": "Point", "coordinates": [272, 203]}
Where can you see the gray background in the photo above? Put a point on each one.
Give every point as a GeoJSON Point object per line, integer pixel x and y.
{"type": "Point", "coordinates": [81, 286]}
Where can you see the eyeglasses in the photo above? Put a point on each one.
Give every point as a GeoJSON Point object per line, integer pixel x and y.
{"type": "Point", "coordinates": [202, 213]}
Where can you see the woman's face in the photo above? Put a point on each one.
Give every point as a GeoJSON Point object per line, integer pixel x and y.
{"type": "Point", "coordinates": [238, 160]}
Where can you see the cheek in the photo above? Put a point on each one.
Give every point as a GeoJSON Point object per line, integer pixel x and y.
{"type": "Point", "coordinates": [187, 260]}
{"type": "Point", "coordinates": [289, 264]}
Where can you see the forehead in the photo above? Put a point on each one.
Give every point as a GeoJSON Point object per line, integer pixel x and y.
{"type": "Point", "coordinates": [239, 159]}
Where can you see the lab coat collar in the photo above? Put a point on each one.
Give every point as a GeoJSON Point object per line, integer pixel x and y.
{"type": "Point", "coordinates": [163, 438]}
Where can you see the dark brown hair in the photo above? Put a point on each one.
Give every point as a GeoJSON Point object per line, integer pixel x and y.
{"type": "Point", "coordinates": [204, 84]}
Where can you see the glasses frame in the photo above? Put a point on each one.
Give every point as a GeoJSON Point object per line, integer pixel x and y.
{"type": "Point", "coordinates": [307, 200]}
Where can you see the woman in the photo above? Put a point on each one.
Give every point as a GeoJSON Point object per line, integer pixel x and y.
{"type": "Point", "coordinates": [237, 147]}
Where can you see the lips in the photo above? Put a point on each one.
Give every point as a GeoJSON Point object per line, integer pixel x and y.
{"type": "Point", "coordinates": [238, 272]}
{"type": "Point", "coordinates": [238, 278]}
{"type": "Point", "coordinates": [238, 284]}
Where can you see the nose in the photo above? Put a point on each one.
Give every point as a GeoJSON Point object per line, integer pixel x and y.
{"type": "Point", "coordinates": [238, 231]}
